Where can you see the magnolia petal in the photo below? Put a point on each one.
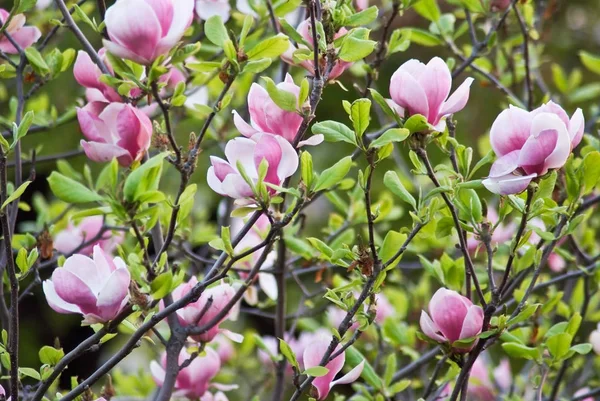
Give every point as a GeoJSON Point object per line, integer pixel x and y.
{"type": "Point", "coordinates": [351, 376]}
{"type": "Point", "coordinates": [576, 128]}
{"type": "Point", "coordinates": [508, 184]}
{"type": "Point", "coordinates": [73, 290]}
{"type": "Point", "coordinates": [407, 93]}
{"type": "Point", "coordinates": [55, 302]}
{"type": "Point", "coordinates": [114, 292]}
{"type": "Point", "coordinates": [312, 141]}
{"type": "Point", "coordinates": [429, 328]}
{"type": "Point", "coordinates": [458, 100]}
{"type": "Point", "coordinates": [436, 82]}
{"type": "Point", "coordinates": [510, 130]}
{"type": "Point", "coordinates": [473, 322]}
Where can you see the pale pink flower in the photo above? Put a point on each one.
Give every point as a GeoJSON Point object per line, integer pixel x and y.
{"type": "Point", "coordinates": [209, 8]}
{"type": "Point", "coordinates": [529, 144]}
{"type": "Point", "coordinates": [143, 30]}
{"type": "Point", "coordinates": [97, 288]}
{"type": "Point", "coordinates": [23, 35]}
{"type": "Point", "coordinates": [451, 318]}
{"type": "Point", "coordinates": [423, 89]}
{"type": "Point", "coordinates": [595, 339]}
{"type": "Point", "coordinates": [87, 74]}
{"type": "Point", "coordinates": [88, 228]}
{"type": "Point", "coordinates": [583, 391]}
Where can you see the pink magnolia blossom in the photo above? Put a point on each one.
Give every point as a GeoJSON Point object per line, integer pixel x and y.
{"type": "Point", "coordinates": [225, 179]}
{"type": "Point", "coordinates": [480, 387]}
{"type": "Point", "coordinates": [117, 130]}
{"type": "Point", "coordinates": [97, 288]}
{"type": "Point", "coordinates": [266, 116]}
{"type": "Point", "coordinates": [583, 391]}
{"type": "Point", "coordinates": [143, 30]}
{"type": "Point", "coordinates": [595, 339]}
{"type": "Point", "coordinates": [312, 357]}
{"type": "Point", "coordinates": [452, 317]}
{"type": "Point", "coordinates": [503, 375]}
{"type": "Point", "coordinates": [361, 5]}
{"type": "Point", "coordinates": [218, 396]}
{"type": "Point", "coordinates": [305, 30]}
{"type": "Point", "coordinates": [500, 5]}
{"type": "Point", "coordinates": [209, 8]}
{"type": "Point", "coordinates": [529, 144]}
{"type": "Point", "coordinates": [419, 88]}
{"type": "Point", "coordinates": [194, 380]}
{"type": "Point", "coordinates": [191, 314]}
{"type": "Point", "coordinates": [255, 236]}
{"type": "Point", "coordinates": [22, 35]}
{"type": "Point", "coordinates": [88, 228]}
{"type": "Point", "coordinates": [502, 233]}
{"type": "Point", "coordinates": [87, 74]}
{"type": "Point", "coordinates": [224, 347]}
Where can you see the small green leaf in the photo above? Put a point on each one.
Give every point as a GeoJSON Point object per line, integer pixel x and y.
{"type": "Point", "coordinates": [215, 30]}
{"type": "Point", "coordinates": [389, 136]}
{"type": "Point", "coordinates": [71, 191]}
{"type": "Point", "coordinates": [50, 355]}
{"type": "Point", "coordinates": [334, 131]}
{"type": "Point", "coordinates": [282, 98]}
{"type": "Point", "coordinates": [590, 61]}
{"type": "Point", "coordinates": [269, 48]}
{"type": "Point", "coordinates": [288, 353]}
{"type": "Point", "coordinates": [428, 9]}
{"type": "Point", "coordinates": [144, 178]}
{"type": "Point", "coordinates": [360, 114]}
{"type": "Point", "coordinates": [334, 174]}
{"type": "Point", "coordinates": [559, 344]}
{"type": "Point", "coordinates": [316, 371]}
{"type": "Point", "coordinates": [16, 194]}
{"type": "Point", "coordinates": [393, 183]}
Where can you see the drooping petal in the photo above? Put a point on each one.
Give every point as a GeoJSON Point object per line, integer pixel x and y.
{"type": "Point", "coordinates": [576, 128]}
{"type": "Point", "coordinates": [289, 159]}
{"type": "Point", "coordinates": [429, 327]}
{"type": "Point", "coordinates": [312, 141]}
{"type": "Point", "coordinates": [458, 100]}
{"type": "Point", "coordinates": [245, 129]}
{"type": "Point", "coordinates": [351, 376]}
{"type": "Point", "coordinates": [258, 98]}
{"type": "Point", "coordinates": [268, 284]}
{"type": "Point", "coordinates": [104, 152]}
{"type": "Point", "coordinates": [27, 36]}
{"type": "Point", "coordinates": [508, 184]}
{"type": "Point", "coordinates": [510, 130]}
{"type": "Point", "coordinates": [505, 164]}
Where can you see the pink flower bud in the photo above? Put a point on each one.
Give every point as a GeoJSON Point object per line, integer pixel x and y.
{"type": "Point", "coordinates": [192, 314]}
{"type": "Point", "coordinates": [480, 387]}
{"type": "Point", "coordinates": [361, 4]}
{"type": "Point", "coordinates": [312, 357]}
{"type": "Point", "coordinates": [225, 179]}
{"type": "Point", "coordinates": [97, 288]}
{"type": "Point", "coordinates": [529, 144]}
{"type": "Point", "coordinates": [87, 74]}
{"type": "Point", "coordinates": [595, 339]}
{"type": "Point", "coordinates": [266, 116]}
{"type": "Point", "coordinates": [117, 130]}
{"type": "Point", "coordinates": [209, 8]}
{"type": "Point", "coordinates": [423, 89]}
{"type": "Point", "coordinates": [305, 30]}
{"type": "Point", "coordinates": [23, 35]}
{"type": "Point", "coordinates": [143, 30]}
{"type": "Point", "coordinates": [88, 228]}
{"type": "Point", "coordinates": [500, 5]}
{"type": "Point", "coordinates": [193, 380]}
{"type": "Point", "coordinates": [453, 318]}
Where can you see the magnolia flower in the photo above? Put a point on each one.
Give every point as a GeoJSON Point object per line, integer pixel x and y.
{"type": "Point", "coordinates": [266, 116]}
{"type": "Point", "coordinates": [423, 89]}
{"type": "Point", "coordinates": [209, 8]}
{"type": "Point", "coordinates": [224, 177]}
{"type": "Point", "coordinates": [583, 391]}
{"type": "Point", "coordinates": [218, 396]}
{"type": "Point", "coordinates": [304, 29]}
{"type": "Point", "coordinates": [143, 30]}
{"type": "Point", "coordinates": [69, 239]}
{"type": "Point", "coordinates": [194, 380]}
{"type": "Point", "coordinates": [118, 130]}
{"type": "Point", "coordinates": [222, 344]}
{"type": "Point", "coordinates": [500, 5]}
{"type": "Point", "coordinates": [255, 236]}
{"type": "Point", "coordinates": [22, 35]}
{"type": "Point", "coordinates": [87, 74]}
{"type": "Point", "coordinates": [503, 375]}
{"type": "Point", "coordinates": [480, 387]}
{"type": "Point", "coordinates": [97, 288]}
{"type": "Point", "coordinates": [529, 144]}
{"type": "Point", "coordinates": [501, 234]}
{"type": "Point", "coordinates": [361, 5]}
{"type": "Point", "coordinates": [453, 318]}
{"type": "Point", "coordinates": [193, 314]}
{"type": "Point", "coordinates": [595, 339]}
{"type": "Point", "coordinates": [312, 357]}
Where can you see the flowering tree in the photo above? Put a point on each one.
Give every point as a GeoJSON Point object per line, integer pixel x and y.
{"type": "Point", "coordinates": [244, 236]}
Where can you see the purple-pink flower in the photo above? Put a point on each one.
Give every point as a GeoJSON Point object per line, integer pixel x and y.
{"type": "Point", "coordinates": [192, 314]}
{"type": "Point", "coordinates": [312, 357]}
{"type": "Point", "coordinates": [22, 35]}
{"type": "Point", "coordinates": [424, 88]}
{"type": "Point", "coordinates": [305, 30]}
{"type": "Point", "coordinates": [194, 380]}
{"type": "Point", "coordinates": [266, 116]}
{"type": "Point", "coordinates": [87, 74]}
{"type": "Point", "coordinates": [224, 177]}
{"type": "Point", "coordinates": [143, 30]}
{"type": "Point", "coordinates": [209, 8]}
{"type": "Point", "coordinates": [97, 288]}
{"type": "Point", "coordinates": [116, 130]}
{"type": "Point", "coordinates": [500, 5]}
{"type": "Point", "coordinates": [529, 144]}
{"type": "Point", "coordinates": [451, 317]}
{"type": "Point", "coordinates": [88, 228]}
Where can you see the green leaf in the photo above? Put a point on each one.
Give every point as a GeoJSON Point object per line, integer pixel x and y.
{"type": "Point", "coordinates": [316, 371]}
{"type": "Point", "coordinates": [269, 48]}
{"type": "Point", "coordinates": [473, 6]}
{"type": "Point", "coordinates": [50, 355]}
{"type": "Point", "coordinates": [517, 350]}
{"type": "Point", "coordinates": [355, 49]}
{"type": "Point", "coordinates": [524, 315]}
{"type": "Point", "coordinates": [144, 178]}
{"type": "Point", "coordinates": [321, 246]}
{"type": "Point", "coordinates": [215, 30]}
{"type": "Point", "coordinates": [161, 285]}
{"type": "Point", "coordinates": [21, 260]}
{"type": "Point", "coordinates": [34, 374]}
{"type": "Point", "coordinates": [257, 66]}
{"type": "Point", "coordinates": [334, 131]}
{"type": "Point", "coordinates": [71, 191]}
{"type": "Point", "coordinates": [23, 128]}
{"type": "Point", "coordinates": [360, 114]}
{"type": "Point", "coordinates": [16, 194]}
{"type": "Point", "coordinates": [428, 9]}
{"type": "Point", "coordinates": [365, 17]}
{"type": "Point", "coordinates": [287, 352]}
{"type": "Point", "coordinates": [559, 344]}
{"type": "Point", "coordinates": [591, 171]}
{"type": "Point", "coordinates": [36, 61]}
{"type": "Point", "coordinates": [391, 244]}
{"type": "Point", "coordinates": [590, 61]}
{"type": "Point", "coordinates": [389, 136]}
{"type": "Point", "coordinates": [422, 37]}
{"type": "Point", "coordinates": [417, 123]}
{"type": "Point", "coordinates": [282, 98]}
{"type": "Point", "coordinates": [306, 168]}
{"type": "Point", "coordinates": [334, 174]}
{"type": "Point", "coordinates": [581, 349]}
{"type": "Point", "coordinates": [393, 183]}
{"type": "Point", "coordinates": [399, 41]}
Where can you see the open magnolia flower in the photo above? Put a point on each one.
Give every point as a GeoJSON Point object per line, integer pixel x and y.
{"type": "Point", "coordinates": [529, 144]}
{"type": "Point", "coordinates": [88, 228]}
{"type": "Point", "coordinates": [312, 357]}
{"type": "Point", "coordinates": [451, 318]}
{"type": "Point", "coordinates": [118, 130]}
{"type": "Point", "coordinates": [305, 30]}
{"type": "Point", "coordinates": [266, 116]}
{"type": "Point", "coordinates": [224, 177]}
{"type": "Point", "coordinates": [143, 30]}
{"type": "Point", "coordinates": [97, 288]}
{"type": "Point", "coordinates": [418, 88]}
{"type": "Point", "coordinates": [22, 35]}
